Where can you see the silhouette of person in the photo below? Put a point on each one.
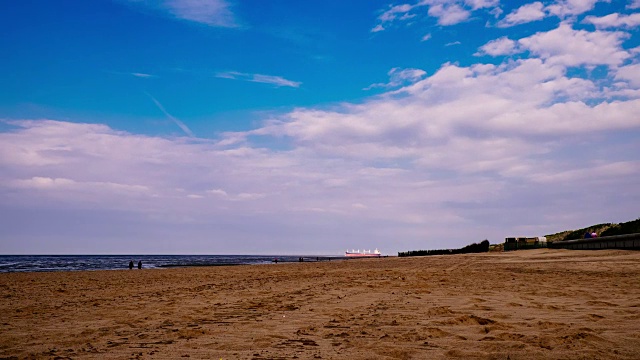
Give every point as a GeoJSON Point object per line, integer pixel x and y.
{"type": "Point", "coordinates": [140, 264]}
{"type": "Point", "coordinates": [130, 264]}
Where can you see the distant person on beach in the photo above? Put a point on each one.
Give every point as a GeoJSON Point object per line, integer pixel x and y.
{"type": "Point", "coordinates": [594, 234]}
{"type": "Point", "coordinates": [130, 264]}
{"type": "Point", "coordinates": [140, 264]}
{"type": "Point", "coordinates": [587, 235]}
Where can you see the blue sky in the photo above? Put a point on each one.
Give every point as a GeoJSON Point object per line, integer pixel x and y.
{"type": "Point", "coordinates": [266, 127]}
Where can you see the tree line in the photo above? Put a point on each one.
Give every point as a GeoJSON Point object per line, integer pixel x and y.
{"type": "Point", "coordinates": [483, 246]}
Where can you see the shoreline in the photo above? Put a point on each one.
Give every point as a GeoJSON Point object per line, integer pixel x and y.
{"type": "Point", "coordinates": [54, 263]}
{"type": "Point", "coordinates": [178, 266]}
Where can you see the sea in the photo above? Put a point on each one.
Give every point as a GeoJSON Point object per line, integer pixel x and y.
{"type": "Point", "coordinates": [32, 263]}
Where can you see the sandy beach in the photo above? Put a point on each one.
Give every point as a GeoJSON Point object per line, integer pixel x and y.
{"type": "Point", "coordinates": [536, 304]}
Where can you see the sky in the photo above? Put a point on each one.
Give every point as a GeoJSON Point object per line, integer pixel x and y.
{"type": "Point", "coordinates": [313, 127]}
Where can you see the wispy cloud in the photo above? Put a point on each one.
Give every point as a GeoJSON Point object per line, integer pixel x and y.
{"type": "Point", "coordinates": [259, 78]}
{"type": "Point", "coordinates": [237, 197]}
{"type": "Point", "coordinates": [131, 73]}
{"type": "Point", "coordinates": [210, 12]}
{"type": "Point", "coordinates": [142, 75]}
{"type": "Point", "coordinates": [180, 124]}
{"type": "Point", "coordinates": [399, 77]}
{"type": "Point", "coordinates": [39, 182]}
{"type": "Point", "coordinates": [377, 28]}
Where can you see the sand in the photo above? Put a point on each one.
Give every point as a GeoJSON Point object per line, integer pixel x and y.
{"type": "Point", "coordinates": [535, 304]}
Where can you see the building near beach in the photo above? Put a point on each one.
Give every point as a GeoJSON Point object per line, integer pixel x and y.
{"type": "Point", "coordinates": [515, 243]}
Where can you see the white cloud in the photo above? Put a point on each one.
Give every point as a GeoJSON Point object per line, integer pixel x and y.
{"type": "Point", "coordinates": [634, 4]}
{"type": "Point", "coordinates": [259, 78]}
{"type": "Point", "coordinates": [498, 47]}
{"type": "Point", "coordinates": [560, 118]}
{"type": "Point", "coordinates": [565, 46]}
{"type": "Point", "coordinates": [490, 99]}
{"type": "Point", "coordinates": [566, 8]}
{"type": "Point", "coordinates": [614, 20]}
{"type": "Point", "coordinates": [570, 47]}
{"type": "Point", "coordinates": [448, 14]}
{"type": "Point", "coordinates": [524, 14]}
{"type": "Point", "coordinates": [480, 4]}
{"type": "Point", "coordinates": [630, 73]}
{"type": "Point", "coordinates": [218, 192]}
{"type": "Point", "coordinates": [426, 37]}
{"type": "Point", "coordinates": [39, 182]}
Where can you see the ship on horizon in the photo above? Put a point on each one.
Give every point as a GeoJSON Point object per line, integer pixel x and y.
{"type": "Point", "coordinates": [364, 253]}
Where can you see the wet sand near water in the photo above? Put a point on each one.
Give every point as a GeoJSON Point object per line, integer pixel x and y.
{"type": "Point", "coordinates": [535, 304]}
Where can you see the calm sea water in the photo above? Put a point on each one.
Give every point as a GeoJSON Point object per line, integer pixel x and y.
{"type": "Point", "coordinates": [18, 263]}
